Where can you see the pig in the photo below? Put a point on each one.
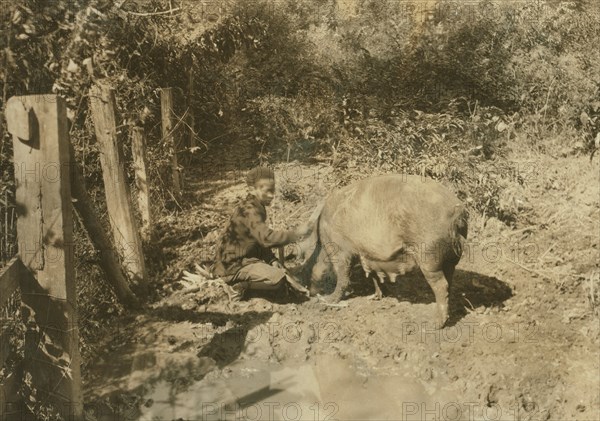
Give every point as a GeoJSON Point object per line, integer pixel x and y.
{"type": "Point", "coordinates": [391, 224]}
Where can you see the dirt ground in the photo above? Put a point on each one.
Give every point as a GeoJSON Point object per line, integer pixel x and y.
{"type": "Point", "coordinates": [522, 342]}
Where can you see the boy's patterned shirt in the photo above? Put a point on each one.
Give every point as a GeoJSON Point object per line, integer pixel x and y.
{"type": "Point", "coordinates": [247, 235]}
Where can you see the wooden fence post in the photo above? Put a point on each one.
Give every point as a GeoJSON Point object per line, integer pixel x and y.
{"type": "Point", "coordinates": [45, 240]}
{"type": "Point", "coordinates": [118, 197]}
{"type": "Point", "coordinates": [138, 148]}
{"type": "Point", "coordinates": [167, 114]}
{"type": "Point", "coordinates": [109, 262]}
{"type": "Point", "coordinates": [192, 120]}
{"type": "Point", "coordinates": [192, 133]}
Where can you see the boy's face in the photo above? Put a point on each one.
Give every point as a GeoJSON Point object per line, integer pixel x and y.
{"type": "Point", "coordinates": [264, 190]}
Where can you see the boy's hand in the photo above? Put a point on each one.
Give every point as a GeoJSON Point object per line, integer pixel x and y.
{"type": "Point", "coordinates": [277, 264]}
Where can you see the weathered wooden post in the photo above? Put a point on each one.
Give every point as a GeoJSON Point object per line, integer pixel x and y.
{"type": "Point", "coordinates": [118, 197]}
{"type": "Point", "coordinates": [192, 130]}
{"type": "Point", "coordinates": [138, 148]}
{"type": "Point", "coordinates": [167, 113]}
{"type": "Point", "coordinates": [109, 261]}
{"type": "Point", "coordinates": [191, 119]}
{"type": "Point", "coordinates": [38, 124]}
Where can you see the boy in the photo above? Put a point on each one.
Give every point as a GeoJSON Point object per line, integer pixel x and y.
{"type": "Point", "coordinates": [244, 257]}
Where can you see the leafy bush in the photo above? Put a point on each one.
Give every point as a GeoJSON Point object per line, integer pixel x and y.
{"type": "Point", "coordinates": [440, 146]}
{"type": "Point", "coordinates": [297, 123]}
{"type": "Point", "coordinates": [362, 83]}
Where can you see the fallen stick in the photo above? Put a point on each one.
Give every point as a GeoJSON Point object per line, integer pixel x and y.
{"type": "Point", "coordinates": [301, 208]}
{"type": "Point", "coordinates": [531, 227]}
{"type": "Point", "coordinates": [531, 270]}
{"type": "Point", "coordinates": [546, 252]}
{"type": "Point", "coordinates": [162, 12]}
{"type": "Point", "coordinates": [472, 309]}
{"type": "Point", "coordinates": [555, 216]}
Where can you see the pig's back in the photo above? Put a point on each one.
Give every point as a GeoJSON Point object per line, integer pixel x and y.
{"type": "Point", "coordinates": [385, 211]}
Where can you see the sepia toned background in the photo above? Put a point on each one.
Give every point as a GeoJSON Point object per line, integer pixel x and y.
{"type": "Point", "coordinates": [499, 100]}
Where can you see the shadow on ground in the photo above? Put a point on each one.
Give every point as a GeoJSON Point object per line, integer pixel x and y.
{"type": "Point", "coordinates": [150, 362]}
{"type": "Point", "coordinates": [469, 290]}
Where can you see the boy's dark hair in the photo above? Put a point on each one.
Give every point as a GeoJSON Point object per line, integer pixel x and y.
{"type": "Point", "coordinates": [259, 173]}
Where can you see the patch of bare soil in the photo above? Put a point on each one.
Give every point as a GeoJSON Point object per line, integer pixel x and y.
{"type": "Point", "coordinates": [522, 342]}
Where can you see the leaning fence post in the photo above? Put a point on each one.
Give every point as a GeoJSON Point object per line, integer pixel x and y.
{"type": "Point", "coordinates": [192, 120]}
{"type": "Point", "coordinates": [45, 240]}
{"type": "Point", "coordinates": [167, 114]}
{"type": "Point", "coordinates": [118, 196]}
{"type": "Point", "coordinates": [109, 261]}
{"type": "Point", "coordinates": [138, 147]}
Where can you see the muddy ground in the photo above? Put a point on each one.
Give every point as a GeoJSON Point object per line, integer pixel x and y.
{"type": "Point", "coordinates": [522, 342]}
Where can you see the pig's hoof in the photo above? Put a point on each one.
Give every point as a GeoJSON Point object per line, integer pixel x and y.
{"type": "Point", "coordinates": [375, 297]}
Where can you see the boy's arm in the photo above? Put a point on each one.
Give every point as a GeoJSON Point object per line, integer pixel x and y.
{"type": "Point", "coordinates": [265, 235]}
